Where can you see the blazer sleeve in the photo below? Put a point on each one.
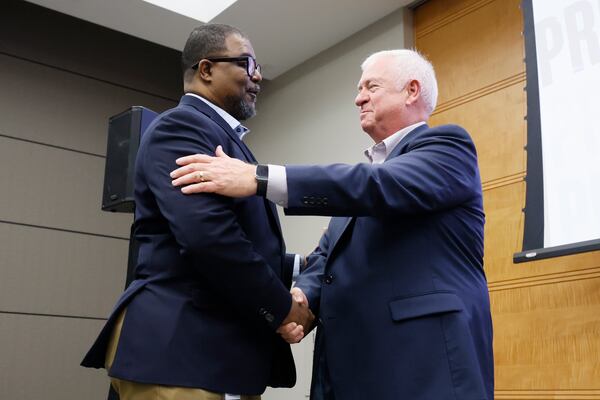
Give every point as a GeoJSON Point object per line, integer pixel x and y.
{"type": "Point", "coordinates": [288, 269]}
{"type": "Point", "coordinates": [311, 277]}
{"type": "Point", "coordinates": [205, 226]}
{"type": "Point", "coordinates": [436, 170]}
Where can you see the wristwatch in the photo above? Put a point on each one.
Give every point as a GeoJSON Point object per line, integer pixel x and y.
{"type": "Point", "coordinates": [262, 178]}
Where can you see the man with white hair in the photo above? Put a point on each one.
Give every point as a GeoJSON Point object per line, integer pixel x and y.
{"type": "Point", "coordinates": [397, 281]}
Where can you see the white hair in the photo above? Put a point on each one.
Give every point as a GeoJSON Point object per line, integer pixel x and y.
{"type": "Point", "coordinates": [410, 65]}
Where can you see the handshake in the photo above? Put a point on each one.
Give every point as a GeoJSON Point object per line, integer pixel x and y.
{"type": "Point", "coordinates": [300, 319]}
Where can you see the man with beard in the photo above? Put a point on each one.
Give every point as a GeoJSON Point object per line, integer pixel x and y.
{"type": "Point", "coordinates": [212, 279]}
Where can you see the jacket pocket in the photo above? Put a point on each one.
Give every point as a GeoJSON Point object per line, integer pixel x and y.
{"type": "Point", "coordinates": [424, 305]}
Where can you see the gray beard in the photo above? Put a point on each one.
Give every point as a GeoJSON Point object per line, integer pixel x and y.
{"type": "Point", "coordinates": [240, 109]}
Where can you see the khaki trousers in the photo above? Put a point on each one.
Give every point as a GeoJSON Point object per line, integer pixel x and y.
{"type": "Point", "coordinates": [129, 390]}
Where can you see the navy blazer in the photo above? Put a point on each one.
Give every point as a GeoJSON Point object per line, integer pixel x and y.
{"type": "Point", "coordinates": [397, 280]}
{"type": "Point", "coordinates": [212, 278]}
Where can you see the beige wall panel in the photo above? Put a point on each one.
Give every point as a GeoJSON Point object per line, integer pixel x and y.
{"type": "Point", "coordinates": [495, 122]}
{"type": "Point", "coordinates": [52, 38]}
{"type": "Point", "coordinates": [481, 48]}
{"type": "Point", "coordinates": [503, 228]}
{"type": "Point", "coordinates": [57, 188]}
{"type": "Point", "coordinates": [41, 355]}
{"type": "Point", "coordinates": [546, 336]}
{"type": "Point", "coordinates": [59, 108]}
{"type": "Point", "coordinates": [51, 272]}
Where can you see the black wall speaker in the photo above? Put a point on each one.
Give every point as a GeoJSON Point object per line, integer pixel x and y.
{"type": "Point", "coordinates": [124, 133]}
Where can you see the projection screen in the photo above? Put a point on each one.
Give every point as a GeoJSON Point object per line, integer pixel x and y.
{"type": "Point", "coordinates": [562, 47]}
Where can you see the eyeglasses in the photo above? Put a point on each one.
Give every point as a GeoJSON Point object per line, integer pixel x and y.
{"type": "Point", "coordinates": [247, 62]}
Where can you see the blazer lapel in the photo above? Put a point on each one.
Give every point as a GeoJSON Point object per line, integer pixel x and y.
{"type": "Point", "coordinates": [401, 147]}
{"type": "Point", "coordinates": [274, 216]}
{"type": "Point", "coordinates": [212, 114]}
{"type": "Point", "coordinates": [346, 228]}
{"type": "Point", "coordinates": [348, 224]}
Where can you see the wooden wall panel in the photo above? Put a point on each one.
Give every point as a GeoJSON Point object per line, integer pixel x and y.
{"type": "Point", "coordinates": [486, 42]}
{"type": "Point", "coordinates": [572, 267]}
{"type": "Point", "coordinates": [435, 13]}
{"type": "Point", "coordinates": [546, 336]}
{"type": "Point", "coordinates": [546, 313]}
{"type": "Point", "coordinates": [498, 133]}
{"type": "Point", "coordinates": [503, 227]}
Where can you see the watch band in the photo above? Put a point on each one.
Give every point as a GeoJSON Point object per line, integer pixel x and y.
{"type": "Point", "coordinates": [262, 179]}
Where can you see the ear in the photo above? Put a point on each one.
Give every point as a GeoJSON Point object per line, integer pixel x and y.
{"type": "Point", "coordinates": [204, 70]}
{"type": "Point", "coordinates": [413, 88]}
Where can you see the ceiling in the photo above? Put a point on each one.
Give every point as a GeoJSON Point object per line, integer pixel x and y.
{"type": "Point", "coordinates": [284, 33]}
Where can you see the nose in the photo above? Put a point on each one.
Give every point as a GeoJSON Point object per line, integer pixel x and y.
{"type": "Point", "coordinates": [361, 98]}
{"type": "Point", "coordinates": [256, 77]}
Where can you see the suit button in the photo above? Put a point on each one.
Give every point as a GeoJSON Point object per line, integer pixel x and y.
{"type": "Point", "coordinates": [269, 317]}
{"type": "Point", "coordinates": [262, 312]}
{"type": "Point", "coordinates": [328, 279]}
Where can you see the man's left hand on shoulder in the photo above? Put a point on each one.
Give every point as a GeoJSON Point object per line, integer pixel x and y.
{"type": "Point", "coordinates": [221, 174]}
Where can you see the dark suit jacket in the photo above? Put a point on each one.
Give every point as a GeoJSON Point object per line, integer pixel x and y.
{"type": "Point", "coordinates": [398, 280]}
{"type": "Point", "coordinates": [212, 277]}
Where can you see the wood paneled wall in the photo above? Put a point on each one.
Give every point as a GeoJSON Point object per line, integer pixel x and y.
{"type": "Point", "coordinates": [546, 313]}
{"type": "Point", "coordinates": [63, 260]}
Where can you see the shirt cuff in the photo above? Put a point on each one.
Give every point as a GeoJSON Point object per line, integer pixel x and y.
{"type": "Point", "coordinates": [277, 185]}
{"type": "Point", "coordinates": [298, 260]}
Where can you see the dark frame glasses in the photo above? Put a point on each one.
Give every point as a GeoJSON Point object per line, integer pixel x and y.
{"type": "Point", "coordinates": [251, 65]}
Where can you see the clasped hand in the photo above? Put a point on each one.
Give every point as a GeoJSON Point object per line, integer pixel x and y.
{"type": "Point", "coordinates": [300, 319]}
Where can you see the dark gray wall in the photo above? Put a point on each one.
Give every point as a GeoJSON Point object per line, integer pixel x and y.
{"type": "Point", "coordinates": [62, 260]}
